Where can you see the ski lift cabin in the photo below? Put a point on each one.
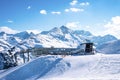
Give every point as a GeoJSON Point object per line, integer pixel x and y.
{"type": "Point", "coordinates": [88, 48]}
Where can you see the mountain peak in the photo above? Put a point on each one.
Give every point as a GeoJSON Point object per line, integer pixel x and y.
{"type": "Point", "coordinates": [54, 29]}
{"type": "Point", "coordinates": [23, 35]}
{"type": "Point", "coordinates": [82, 32]}
{"type": "Point", "coordinates": [33, 31]}
{"type": "Point", "coordinates": [62, 30]}
{"type": "Point", "coordinates": [109, 37]}
{"type": "Point", "coordinates": [65, 29]}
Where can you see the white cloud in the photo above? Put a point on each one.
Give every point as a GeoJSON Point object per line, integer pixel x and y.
{"type": "Point", "coordinates": [74, 10]}
{"type": "Point", "coordinates": [34, 31]}
{"type": "Point", "coordinates": [116, 20]}
{"type": "Point", "coordinates": [113, 27]}
{"type": "Point", "coordinates": [56, 12]}
{"type": "Point", "coordinates": [84, 4]}
{"type": "Point", "coordinates": [74, 2]}
{"type": "Point", "coordinates": [73, 25]}
{"type": "Point", "coordinates": [87, 27]}
{"type": "Point", "coordinates": [10, 21]}
{"type": "Point", "coordinates": [7, 30]}
{"type": "Point", "coordinates": [29, 7]}
{"type": "Point", "coordinates": [43, 12]}
{"type": "Point", "coordinates": [75, 6]}
{"type": "Point", "coordinates": [67, 10]}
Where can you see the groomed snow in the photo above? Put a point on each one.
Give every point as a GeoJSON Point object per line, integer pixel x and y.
{"type": "Point", "coordinates": [89, 67]}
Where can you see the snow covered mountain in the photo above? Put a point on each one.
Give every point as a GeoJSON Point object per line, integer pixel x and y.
{"type": "Point", "coordinates": [56, 37]}
{"type": "Point", "coordinates": [112, 47]}
{"type": "Point", "coordinates": [65, 36]}
{"type": "Point", "coordinates": [78, 36]}
{"type": "Point", "coordinates": [49, 67]}
{"type": "Point", "coordinates": [98, 40]}
{"type": "Point", "coordinates": [82, 32]}
{"type": "Point", "coordinates": [22, 35]}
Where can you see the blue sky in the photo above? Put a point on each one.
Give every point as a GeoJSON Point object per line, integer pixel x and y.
{"type": "Point", "coordinates": [98, 16]}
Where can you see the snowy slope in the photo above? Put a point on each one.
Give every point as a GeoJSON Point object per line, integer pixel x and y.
{"type": "Point", "coordinates": [102, 67]}
{"type": "Point", "coordinates": [63, 35]}
{"type": "Point", "coordinates": [99, 40]}
{"type": "Point", "coordinates": [112, 47]}
{"type": "Point", "coordinates": [56, 37]}
{"type": "Point", "coordinates": [76, 37]}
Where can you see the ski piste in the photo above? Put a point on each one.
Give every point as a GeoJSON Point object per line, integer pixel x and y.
{"type": "Point", "coordinates": [56, 67]}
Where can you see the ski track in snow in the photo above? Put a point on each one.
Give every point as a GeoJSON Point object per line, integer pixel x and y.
{"type": "Point", "coordinates": [108, 64]}
{"type": "Point", "coordinates": [90, 67]}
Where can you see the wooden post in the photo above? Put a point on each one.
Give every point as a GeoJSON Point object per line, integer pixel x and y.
{"type": "Point", "coordinates": [28, 56]}
{"type": "Point", "coordinates": [15, 56]}
{"type": "Point", "coordinates": [23, 57]}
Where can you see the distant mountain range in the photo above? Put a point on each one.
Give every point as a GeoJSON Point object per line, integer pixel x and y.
{"type": "Point", "coordinates": [56, 37]}
{"type": "Point", "coordinates": [112, 47]}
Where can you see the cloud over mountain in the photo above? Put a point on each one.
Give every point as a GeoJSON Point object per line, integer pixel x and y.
{"type": "Point", "coordinates": [7, 30]}
{"type": "Point", "coordinates": [113, 26]}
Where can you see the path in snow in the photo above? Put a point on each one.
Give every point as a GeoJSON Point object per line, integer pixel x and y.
{"type": "Point", "coordinates": [95, 67]}
{"type": "Point", "coordinates": [107, 66]}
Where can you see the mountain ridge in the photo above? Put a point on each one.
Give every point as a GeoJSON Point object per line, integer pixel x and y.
{"type": "Point", "coordinates": [56, 37]}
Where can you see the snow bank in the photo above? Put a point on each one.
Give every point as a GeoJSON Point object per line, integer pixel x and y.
{"type": "Point", "coordinates": [36, 69]}
{"type": "Point", "coordinates": [90, 67]}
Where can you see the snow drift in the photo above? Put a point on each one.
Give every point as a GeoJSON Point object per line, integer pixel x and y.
{"type": "Point", "coordinates": [36, 69]}
{"type": "Point", "coordinates": [98, 66]}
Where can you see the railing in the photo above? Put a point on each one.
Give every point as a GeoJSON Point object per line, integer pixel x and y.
{"type": "Point", "coordinates": [25, 55]}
